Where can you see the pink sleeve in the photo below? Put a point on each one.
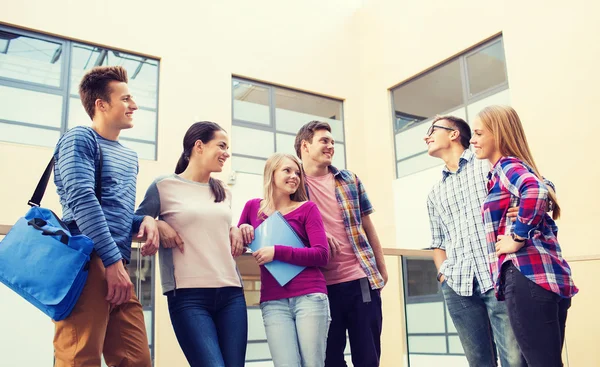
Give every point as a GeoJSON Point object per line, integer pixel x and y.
{"type": "Point", "coordinates": [318, 252]}
{"type": "Point", "coordinates": [245, 216]}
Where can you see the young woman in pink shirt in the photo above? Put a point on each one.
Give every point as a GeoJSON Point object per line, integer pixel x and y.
{"type": "Point", "coordinates": [296, 316]}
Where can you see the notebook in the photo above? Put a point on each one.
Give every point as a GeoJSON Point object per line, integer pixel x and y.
{"type": "Point", "coordinates": [275, 230]}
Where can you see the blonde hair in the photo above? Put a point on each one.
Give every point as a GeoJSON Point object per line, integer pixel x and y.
{"type": "Point", "coordinates": [273, 163]}
{"type": "Point", "coordinates": [505, 125]}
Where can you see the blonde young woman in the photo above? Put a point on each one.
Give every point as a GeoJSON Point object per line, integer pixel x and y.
{"type": "Point", "coordinates": [296, 316]}
{"type": "Point", "coordinates": [527, 266]}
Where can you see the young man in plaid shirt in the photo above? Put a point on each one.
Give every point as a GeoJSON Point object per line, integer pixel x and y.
{"type": "Point", "coordinates": [356, 271]}
{"type": "Point", "coordinates": [459, 246]}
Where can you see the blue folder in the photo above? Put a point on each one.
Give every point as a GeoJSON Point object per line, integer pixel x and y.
{"type": "Point", "coordinates": [275, 230]}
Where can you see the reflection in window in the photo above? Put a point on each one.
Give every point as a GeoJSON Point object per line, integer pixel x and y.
{"type": "Point", "coordinates": [30, 59]}
{"type": "Point", "coordinates": [429, 329]}
{"type": "Point", "coordinates": [421, 277]}
{"type": "Point", "coordinates": [487, 68]}
{"type": "Point", "coordinates": [251, 103]}
{"type": "Point", "coordinates": [469, 80]}
{"type": "Point", "coordinates": [435, 92]}
{"type": "Point", "coordinates": [34, 65]}
{"type": "Point", "coordinates": [266, 120]}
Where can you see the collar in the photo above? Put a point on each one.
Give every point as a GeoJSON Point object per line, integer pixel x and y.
{"type": "Point", "coordinates": [465, 157]}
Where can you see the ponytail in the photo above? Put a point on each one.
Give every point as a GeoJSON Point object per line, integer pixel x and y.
{"type": "Point", "coordinates": [217, 189]}
{"type": "Point", "coordinates": [182, 163]}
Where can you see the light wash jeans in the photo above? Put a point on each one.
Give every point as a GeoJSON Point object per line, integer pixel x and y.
{"type": "Point", "coordinates": [482, 325]}
{"type": "Point", "coordinates": [297, 329]}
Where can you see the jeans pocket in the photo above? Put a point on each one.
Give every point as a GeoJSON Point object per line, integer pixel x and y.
{"type": "Point", "coordinates": [540, 293]}
{"type": "Point", "coordinates": [316, 297]}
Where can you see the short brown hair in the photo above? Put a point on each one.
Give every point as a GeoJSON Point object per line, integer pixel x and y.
{"type": "Point", "coordinates": [307, 132]}
{"type": "Point", "coordinates": [461, 125]}
{"type": "Point", "coordinates": [94, 85]}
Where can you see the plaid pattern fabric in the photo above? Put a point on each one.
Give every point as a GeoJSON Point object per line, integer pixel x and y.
{"type": "Point", "coordinates": [512, 182]}
{"type": "Point", "coordinates": [454, 206]}
{"type": "Point", "coordinates": [354, 204]}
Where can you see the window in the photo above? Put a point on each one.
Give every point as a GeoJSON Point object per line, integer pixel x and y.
{"type": "Point", "coordinates": [461, 87]}
{"type": "Point", "coordinates": [39, 97]}
{"type": "Point", "coordinates": [266, 119]}
{"type": "Point", "coordinates": [429, 328]}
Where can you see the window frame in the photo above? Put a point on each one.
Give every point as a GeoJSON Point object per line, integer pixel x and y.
{"type": "Point", "coordinates": [64, 88]}
{"type": "Point", "coordinates": [464, 73]}
{"type": "Point", "coordinates": [272, 126]}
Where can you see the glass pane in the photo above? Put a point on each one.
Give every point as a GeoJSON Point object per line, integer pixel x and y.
{"type": "Point", "coordinates": [77, 114]}
{"type": "Point", "coordinates": [143, 150]}
{"type": "Point", "coordinates": [308, 104]}
{"type": "Point", "coordinates": [339, 156]}
{"type": "Point", "coordinates": [250, 103]}
{"type": "Point", "coordinates": [410, 141]}
{"type": "Point", "coordinates": [28, 135]}
{"type": "Point", "coordinates": [421, 279]}
{"type": "Point", "coordinates": [438, 91]}
{"type": "Point", "coordinates": [291, 122]}
{"type": "Point", "coordinates": [141, 71]}
{"type": "Point", "coordinates": [148, 322]}
{"type": "Point", "coordinates": [417, 163]}
{"type": "Point", "coordinates": [295, 109]}
{"type": "Point", "coordinates": [144, 126]}
{"type": "Point", "coordinates": [30, 59]}
{"type": "Point", "coordinates": [486, 68]}
{"type": "Point", "coordinates": [256, 327]}
{"type": "Point", "coordinates": [23, 105]}
{"type": "Point", "coordinates": [144, 273]}
{"type": "Point", "coordinates": [501, 98]}
{"type": "Point", "coordinates": [455, 345]}
{"type": "Point", "coordinates": [285, 143]}
{"type": "Point", "coordinates": [427, 344]}
{"type": "Point", "coordinates": [425, 318]}
{"type": "Point", "coordinates": [248, 165]}
{"type": "Point", "coordinates": [246, 141]}
{"type": "Point", "coordinates": [257, 352]}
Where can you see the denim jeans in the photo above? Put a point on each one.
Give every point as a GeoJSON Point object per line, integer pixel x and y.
{"type": "Point", "coordinates": [297, 329]}
{"type": "Point", "coordinates": [538, 317]}
{"type": "Point", "coordinates": [362, 319]}
{"type": "Point", "coordinates": [482, 325]}
{"type": "Point", "coordinates": [211, 325]}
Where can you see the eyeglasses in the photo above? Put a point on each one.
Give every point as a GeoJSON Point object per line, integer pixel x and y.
{"type": "Point", "coordinates": [433, 127]}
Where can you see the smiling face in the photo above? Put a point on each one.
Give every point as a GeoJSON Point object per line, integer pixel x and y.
{"type": "Point", "coordinates": [439, 137]}
{"type": "Point", "coordinates": [118, 112]}
{"type": "Point", "coordinates": [213, 154]}
{"type": "Point", "coordinates": [287, 177]}
{"type": "Point", "coordinates": [483, 141]}
{"type": "Point", "coordinates": [321, 149]}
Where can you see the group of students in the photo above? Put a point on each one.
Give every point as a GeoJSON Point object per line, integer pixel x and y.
{"type": "Point", "coordinates": [505, 282]}
{"type": "Point", "coordinates": [186, 217]}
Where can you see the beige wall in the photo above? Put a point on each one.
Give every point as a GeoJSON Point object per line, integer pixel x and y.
{"type": "Point", "coordinates": [354, 50]}
{"type": "Point", "coordinates": [551, 53]}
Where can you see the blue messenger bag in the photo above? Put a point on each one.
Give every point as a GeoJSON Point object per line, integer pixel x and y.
{"type": "Point", "coordinates": [41, 261]}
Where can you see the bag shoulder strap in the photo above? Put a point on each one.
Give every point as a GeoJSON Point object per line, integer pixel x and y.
{"type": "Point", "coordinates": [40, 189]}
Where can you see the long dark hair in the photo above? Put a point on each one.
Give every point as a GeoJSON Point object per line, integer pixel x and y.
{"type": "Point", "coordinates": [205, 132]}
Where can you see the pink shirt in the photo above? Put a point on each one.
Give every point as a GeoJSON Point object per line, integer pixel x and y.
{"type": "Point", "coordinates": [308, 225]}
{"type": "Point", "coordinates": [343, 267]}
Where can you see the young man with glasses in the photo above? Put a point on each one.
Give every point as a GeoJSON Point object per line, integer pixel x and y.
{"type": "Point", "coordinates": [459, 247]}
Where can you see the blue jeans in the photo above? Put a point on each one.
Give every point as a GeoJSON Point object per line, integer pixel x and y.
{"type": "Point", "coordinates": [211, 325]}
{"type": "Point", "coordinates": [297, 329]}
{"type": "Point", "coordinates": [482, 324]}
